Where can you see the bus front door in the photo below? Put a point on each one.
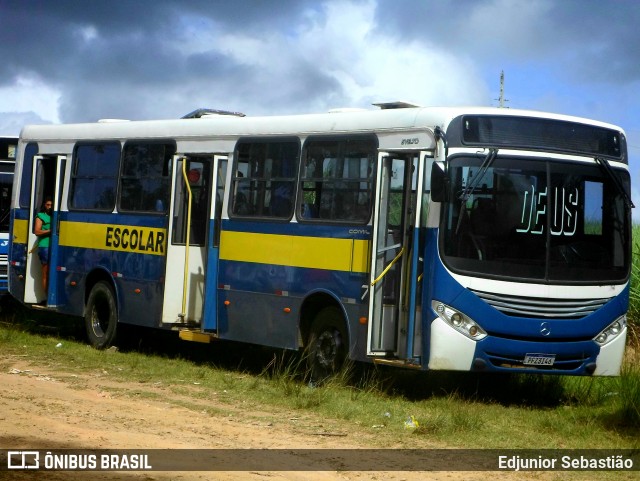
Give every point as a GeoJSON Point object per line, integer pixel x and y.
{"type": "Point", "coordinates": [193, 224]}
{"type": "Point", "coordinates": [393, 283]}
{"type": "Point", "coordinates": [46, 183]}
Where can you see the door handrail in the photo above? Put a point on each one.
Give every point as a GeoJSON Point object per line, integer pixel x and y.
{"type": "Point", "coordinates": [183, 314]}
{"type": "Point", "coordinates": [386, 269]}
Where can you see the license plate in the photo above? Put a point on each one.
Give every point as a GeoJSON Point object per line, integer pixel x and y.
{"type": "Point", "coordinates": [539, 359]}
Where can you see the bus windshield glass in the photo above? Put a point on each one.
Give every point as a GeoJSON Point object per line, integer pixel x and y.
{"type": "Point", "coordinates": [536, 220]}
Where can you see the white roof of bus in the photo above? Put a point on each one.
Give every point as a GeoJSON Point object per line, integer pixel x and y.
{"type": "Point", "coordinates": [307, 124]}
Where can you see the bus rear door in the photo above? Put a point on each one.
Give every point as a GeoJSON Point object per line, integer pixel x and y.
{"type": "Point", "coordinates": [194, 214]}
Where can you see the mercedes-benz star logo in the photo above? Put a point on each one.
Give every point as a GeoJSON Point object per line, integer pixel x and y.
{"type": "Point", "coordinates": [544, 329]}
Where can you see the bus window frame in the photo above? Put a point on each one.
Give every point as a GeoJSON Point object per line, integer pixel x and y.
{"type": "Point", "coordinates": [161, 141]}
{"type": "Point", "coordinates": [234, 179]}
{"type": "Point", "coordinates": [72, 175]}
{"type": "Point", "coordinates": [24, 194]}
{"type": "Point", "coordinates": [371, 180]}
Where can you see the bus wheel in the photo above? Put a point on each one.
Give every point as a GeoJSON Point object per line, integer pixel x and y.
{"type": "Point", "coordinates": [101, 316]}
{"type": "Point", "coordinates": [327, 348]}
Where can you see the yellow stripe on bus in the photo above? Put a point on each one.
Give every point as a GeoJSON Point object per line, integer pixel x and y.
{"type": "Point", "coordinates": [122, 238]}
{"type": "Point", "coordinates": [347, 255]}
{"type": "Point", "coordinates": [20, 231]}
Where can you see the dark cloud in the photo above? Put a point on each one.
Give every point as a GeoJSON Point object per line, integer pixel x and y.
{"type": "Point", "coordinates": [166, 85]}
{"type": "Point", "coordinates": [118, 17]}
{"type": "Point", "coordinates": [128, 59]}
{"type": "Point", "coordinates": [583, 40]}
{"type": "Point", "coordinates": [600, 39]}
{"type": "Point", "coordinates": [106, 58]}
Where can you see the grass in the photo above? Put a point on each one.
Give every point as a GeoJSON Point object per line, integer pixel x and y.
{"type": "Point", "coordinates": [634, 294]}
{"type": "Point", "coordinates": [451, 409]}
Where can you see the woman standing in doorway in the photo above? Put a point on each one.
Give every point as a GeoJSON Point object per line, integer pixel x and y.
{"type": "Point", "coordinates": [42, 229]}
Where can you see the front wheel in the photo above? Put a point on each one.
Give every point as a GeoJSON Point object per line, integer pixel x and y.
{"type": "Point", "coordinates": [328, 344]}
{"type": "Point", "coordinates": [101, 316]}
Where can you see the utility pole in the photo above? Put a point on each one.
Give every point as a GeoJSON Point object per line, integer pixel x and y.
{"type": "Point", "coordinates": [502, 99]}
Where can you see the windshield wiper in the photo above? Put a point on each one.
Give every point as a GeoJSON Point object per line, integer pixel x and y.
{"type": "Point", "coordinates": [468, 190]}
{"type": "Point", "coordinates": [606, 166]}
{"type": "Point", "coordinates": [486, 163]}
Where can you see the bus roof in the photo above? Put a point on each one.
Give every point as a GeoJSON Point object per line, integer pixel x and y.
{"type": "Point", "coordinates": [383, 120]}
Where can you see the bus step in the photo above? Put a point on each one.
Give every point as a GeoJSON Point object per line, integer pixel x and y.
{"type": "Point", "coordinates": [196, 336]}
{"type": "Point", "coordinates": [406, 363]}
{"type": "Point", "coordinates": [38, 306]}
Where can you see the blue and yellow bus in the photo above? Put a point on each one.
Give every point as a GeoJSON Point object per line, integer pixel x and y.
{"type": "Point", "coordinates": [8, 146]}
{"type": "Point", "coordinates": [472, 239]}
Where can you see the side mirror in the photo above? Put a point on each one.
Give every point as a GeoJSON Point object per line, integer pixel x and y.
{"type": "Point", "coordinates": [439, 183]}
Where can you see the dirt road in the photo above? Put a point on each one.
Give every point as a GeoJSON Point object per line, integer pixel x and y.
{"type": "Point", "coordinates": [41, 409]}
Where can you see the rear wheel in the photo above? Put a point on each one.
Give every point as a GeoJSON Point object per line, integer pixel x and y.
{"type": "Point", "coordinates": [101, 316]}
{"type": "Point", "coordinates": [328, 344]}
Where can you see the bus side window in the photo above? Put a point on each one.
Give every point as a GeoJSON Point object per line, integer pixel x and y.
{"type": "Point", "coordinates": [26, 172]}
{"type": "Point", "coordinates": [146, 176]}
{"type": "Point", "coordinates": [264, 184]}
{"type": "Point", "coordinates": [337, 182]}
{"type": "Point", "coordinates": [94, 176]}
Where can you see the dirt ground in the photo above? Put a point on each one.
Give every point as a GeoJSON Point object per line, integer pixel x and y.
{"type": "Point", "coordinates": [40, 409]}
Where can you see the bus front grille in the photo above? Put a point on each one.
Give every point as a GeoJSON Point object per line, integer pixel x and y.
{"type": "Point", "coordinates": [519, 306]}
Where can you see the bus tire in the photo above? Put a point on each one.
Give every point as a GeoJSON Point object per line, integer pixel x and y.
{"type": "Point", "coordinates": [328, 345]}
{"type": "Point", "coordinates": [101, 316]}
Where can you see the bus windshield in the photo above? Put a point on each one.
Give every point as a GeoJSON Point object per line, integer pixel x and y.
{"type": "Point", "coordinates": [536, 220]}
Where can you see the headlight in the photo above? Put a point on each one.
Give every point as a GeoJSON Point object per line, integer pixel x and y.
{"type": "Point", "coordinates": [611, 331]}
{"type": "Point", "coordinates": [459, 321]}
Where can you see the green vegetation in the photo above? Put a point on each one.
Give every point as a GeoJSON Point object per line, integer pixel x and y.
{"type": "Point", "coordinates": [448, 409]}
{"type": "Point", "coordinates": [634, 295]}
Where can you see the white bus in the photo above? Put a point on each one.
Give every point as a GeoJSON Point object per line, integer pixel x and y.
{"type": "Point", "coordinates": [472, 239]}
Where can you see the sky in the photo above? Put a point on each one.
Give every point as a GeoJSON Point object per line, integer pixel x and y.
{"type": "Point", "coordinates": [83, 60]}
